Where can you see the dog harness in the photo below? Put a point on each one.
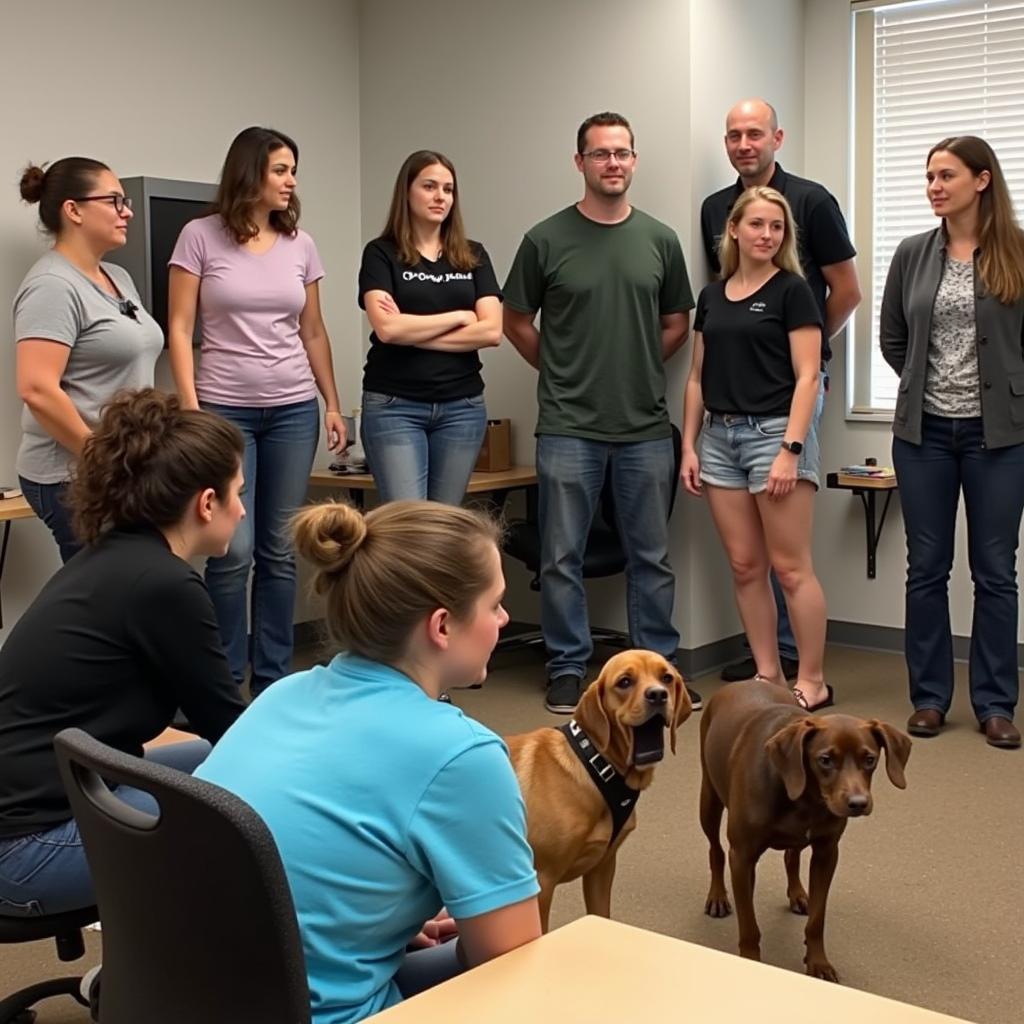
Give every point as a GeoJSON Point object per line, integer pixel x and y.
{"type": "Point", "coordinates": [620, 798]}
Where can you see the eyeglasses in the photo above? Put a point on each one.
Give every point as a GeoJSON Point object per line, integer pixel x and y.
{"type": "Point", "coordinates": [602, 156]}
{"type": "Point", "coordinates": [118, 201]}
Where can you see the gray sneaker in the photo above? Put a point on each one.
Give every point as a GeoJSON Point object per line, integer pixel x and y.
{"type": "Point", "coordinates": [563, 694]}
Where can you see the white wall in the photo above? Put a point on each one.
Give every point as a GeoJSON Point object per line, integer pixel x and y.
{"type": "Point", "coordinates": [160, 90]}
{"type": "Point", "coordinates": [502, 89]}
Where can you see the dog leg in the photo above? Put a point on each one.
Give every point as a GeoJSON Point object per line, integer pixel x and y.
{"type": "Point", "coordinates": [794, 889]}
{"type": "Point", "coordinates": [597, 887]}
{"type": "Point", "coordinates": [717, 903]}
{"type": "Point", "coordinates": [824, 858]}
{"type": "Point", "coordinates": [742, 865]}
{"type": "Point", "coordinates": [547, 892]}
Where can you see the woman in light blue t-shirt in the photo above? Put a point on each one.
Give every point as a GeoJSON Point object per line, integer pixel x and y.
{"type": "Point", "coordinates": [387, 804]}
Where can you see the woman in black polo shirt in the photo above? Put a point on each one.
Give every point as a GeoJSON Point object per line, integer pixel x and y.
{"type": "Point", "coordinates": [121, 637]}
{"type": "Point", "coordinates": [750, 396]}
{"type": "Point", "coordinates": [433, 301]}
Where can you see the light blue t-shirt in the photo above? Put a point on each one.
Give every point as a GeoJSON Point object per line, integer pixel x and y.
{"type": "Point", "coordinates": [385, 806]}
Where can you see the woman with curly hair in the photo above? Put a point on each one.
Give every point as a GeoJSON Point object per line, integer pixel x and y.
{"type": "Point", "coordinates": [121, 637]}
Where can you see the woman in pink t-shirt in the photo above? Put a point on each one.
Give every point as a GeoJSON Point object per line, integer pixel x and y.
{"type": "Point", "coordinates": [253, 279]}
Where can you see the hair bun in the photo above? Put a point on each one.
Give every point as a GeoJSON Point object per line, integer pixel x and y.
{"type": "Point", "coordinates": [328, 535]}
{"type": "Point", "coordinates": [31, 184]}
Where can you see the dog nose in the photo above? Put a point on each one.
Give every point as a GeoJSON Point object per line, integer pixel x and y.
{"type": "Point", "coordinates": [656, 695]}
{"type": "Point", "coordinates": [857, 803]}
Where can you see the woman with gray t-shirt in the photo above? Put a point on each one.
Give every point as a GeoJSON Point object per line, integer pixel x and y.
{"type": "Point", "coordinates": [81, 332]}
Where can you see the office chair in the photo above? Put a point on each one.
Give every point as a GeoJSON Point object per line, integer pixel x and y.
{"type": "Point", "coordinates": [198, 919]}
{"type": "Point", "coordinates": [603, 555]}
{"type": "Point", "coordinates": [66, 930]}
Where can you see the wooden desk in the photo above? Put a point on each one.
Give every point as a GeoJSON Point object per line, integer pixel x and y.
{"type": "Point", "coordinates": [479, 483]}
{"type": "Point", "coordinates": [866, 491]}
{"type": "Point", "coordinates": [10, 509]}
{"type": "Point", "coordinates": [595, 970]}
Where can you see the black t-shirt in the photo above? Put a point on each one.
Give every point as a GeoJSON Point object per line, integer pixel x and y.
{"type": "Point", "coordinates": [822, 237]}
{"type": "Point", "coordinates": [117, 641]}
{"type": "Point", "coordinates": [431, 286]}
{"type": "Point", "coordinates": [748, 366]}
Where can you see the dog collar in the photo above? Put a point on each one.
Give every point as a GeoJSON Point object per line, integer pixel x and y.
{"type": "Point", "coordinates": [620, 798]}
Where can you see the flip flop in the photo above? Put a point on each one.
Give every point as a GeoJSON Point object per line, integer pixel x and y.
{"type": "Point", "coordinates": [802, 700]}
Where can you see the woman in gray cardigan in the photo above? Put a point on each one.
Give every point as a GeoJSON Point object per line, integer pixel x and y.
{"type": "Point", "coordinates": [952, 327]}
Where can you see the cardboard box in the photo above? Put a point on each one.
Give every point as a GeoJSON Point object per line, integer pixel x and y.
{"type": "Point", "coordinates": [496, 450]}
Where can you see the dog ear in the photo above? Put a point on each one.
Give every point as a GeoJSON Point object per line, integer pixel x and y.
{"type": "Point", "coordinates": [681, 703]}
{"type": "Point", "coordinates": [786, 753]}
{"type": "Point", "coordinates": [897, 750]}
{"type": "Point", "coordinates": [592, 716]}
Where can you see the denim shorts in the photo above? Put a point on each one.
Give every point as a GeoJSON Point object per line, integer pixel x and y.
{"type": "Point", "coordinates": [737, 451]}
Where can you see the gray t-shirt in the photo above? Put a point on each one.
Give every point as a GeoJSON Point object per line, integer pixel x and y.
{"type": "Point", "coordinates": [109, 350]}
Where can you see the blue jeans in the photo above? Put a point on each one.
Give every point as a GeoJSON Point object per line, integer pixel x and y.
{"type": "Point", "coordinates": [571, 473]}
{"type": "Point", "coordinates": [280, 443]}
{"type": "Point", "coordinates": [787, 642]}
{"type": "Point", "coordinates": [47, 501]}
{"type": "Point", "coordinates": [46, 872]}
{"type": "Point", "coordinates": [952, 457]}
{"type": "Point", "coordinates": [422, 450]}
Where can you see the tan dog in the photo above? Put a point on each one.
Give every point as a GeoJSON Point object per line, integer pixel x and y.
{"type": "Point", "coordinates": [788, 780]}
{"type": "Point", "coordinates": [623, 714]}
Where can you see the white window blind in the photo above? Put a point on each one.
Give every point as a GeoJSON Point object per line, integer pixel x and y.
{"type": "Point", "coordinates": [944, 67]}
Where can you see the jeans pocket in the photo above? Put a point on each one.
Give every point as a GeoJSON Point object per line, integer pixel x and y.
{"type": "Point", "coordinates": [772, 426]}
{"type": "Point", "coordinates": [475, 401]}
{"type": "Point", "coordinates": [378, 400]}
{"type": "Point", "coordinates": [23, 857]}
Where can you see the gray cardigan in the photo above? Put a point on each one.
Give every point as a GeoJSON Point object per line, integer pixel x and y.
{"type": "Point", "coordinates": [905, 331]}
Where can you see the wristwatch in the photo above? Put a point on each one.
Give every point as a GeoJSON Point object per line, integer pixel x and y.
{"type": "Point", "coordinates": [796, 447]}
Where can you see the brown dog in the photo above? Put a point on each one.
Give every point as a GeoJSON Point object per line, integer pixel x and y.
{"type": "Point", "coordinates": [788, 780]}
{"type": "Point", "coordinates": [622, 715]}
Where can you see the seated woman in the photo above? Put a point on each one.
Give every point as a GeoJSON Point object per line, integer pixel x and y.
{"type": "Point", "coordinates": [385, 803]}
{"type": "Point", "coordinates": [121, 637]}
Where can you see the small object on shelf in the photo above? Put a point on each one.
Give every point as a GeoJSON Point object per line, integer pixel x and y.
{"type": "Point", "coordinates": [496, 450]}
{"type": "Point", "coordinates": [849, 476]}
{"type": "Point", "coordinates": [9, 491]}
{"type": "Point", "coordinates": [352, 458]}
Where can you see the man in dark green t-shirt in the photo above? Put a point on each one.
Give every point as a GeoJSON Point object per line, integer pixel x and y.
{"type": "Point", "coordinates": [611, 286]}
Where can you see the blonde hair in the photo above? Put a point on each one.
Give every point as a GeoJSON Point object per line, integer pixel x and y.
{"type": "Point", "coordinates": [1000, 239]}
{"type": "Point", "coordinates": [382, 573]}
{"type": "Point", "coordinates": [787, 258]}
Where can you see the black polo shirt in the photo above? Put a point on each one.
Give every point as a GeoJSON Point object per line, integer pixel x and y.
{"type": "Point", "coordinates": [821, 231]}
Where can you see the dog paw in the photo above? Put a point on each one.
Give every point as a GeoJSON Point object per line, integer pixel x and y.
{"type": "Point", "coordinates": [822, 969]}
{"type": "Point", "coordinates": [798, 903]}
{"type": "Point", "coordinates": [717, 906]}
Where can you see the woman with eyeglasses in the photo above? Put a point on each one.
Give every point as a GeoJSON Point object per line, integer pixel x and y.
{"type": "Point", "coordinates": [433, 302]}
{"type": "Point", "coordinates": [81, 332]}
{"type": "Point", "coordinates": [253, 279]}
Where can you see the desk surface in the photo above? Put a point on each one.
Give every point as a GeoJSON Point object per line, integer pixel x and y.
{"type": "Point", "coordinates": [15, 508]}
{"type": "Point", "coordinates": [517, 476]}
{"type": "Point", "coordinates": [597, 970]}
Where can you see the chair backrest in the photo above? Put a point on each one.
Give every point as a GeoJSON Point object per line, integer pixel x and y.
{"type": "Point", "coordinates": [198, 920]}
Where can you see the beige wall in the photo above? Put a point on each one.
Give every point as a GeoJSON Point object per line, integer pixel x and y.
{"type": "Point", "coordinates": [160, 90]}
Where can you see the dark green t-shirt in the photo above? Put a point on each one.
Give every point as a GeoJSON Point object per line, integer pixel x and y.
{"type": "Point", "coordinates": [601, 290]}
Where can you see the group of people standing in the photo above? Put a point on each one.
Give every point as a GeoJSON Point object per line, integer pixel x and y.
{"type": "Point", "coordinates": [385, 803]}
{"type": "Point", "coordinates": [610, 284]}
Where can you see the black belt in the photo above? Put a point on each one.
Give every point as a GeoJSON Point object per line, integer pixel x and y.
{"type": "Point", "coordinates": [620, 798]}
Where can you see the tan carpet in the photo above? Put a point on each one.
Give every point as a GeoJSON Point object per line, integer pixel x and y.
{"type": "Point", "coordinates": [927, 903]}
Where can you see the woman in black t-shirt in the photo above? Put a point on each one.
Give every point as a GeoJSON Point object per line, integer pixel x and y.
{"type": "Point", "coordinates": [750, 396]}
{"type": "Point", "coordinates": [433, 301]}
{"type": "Point", "coordinates": [121, 637]}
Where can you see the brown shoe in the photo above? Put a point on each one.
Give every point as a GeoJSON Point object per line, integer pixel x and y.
{"type": "Point", "coordinates": [1001, 732]}
{"type": "Point", "coordinates": [928, 722]}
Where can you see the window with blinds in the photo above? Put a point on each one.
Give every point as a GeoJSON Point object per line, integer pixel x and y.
{"type": "Point", "coordinates": [936, 68]}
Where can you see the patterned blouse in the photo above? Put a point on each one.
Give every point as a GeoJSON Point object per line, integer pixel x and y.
{"type": "Point", "coordinates": [952, 386]}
